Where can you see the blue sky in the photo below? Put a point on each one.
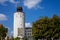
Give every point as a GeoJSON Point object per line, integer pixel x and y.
{"type": "Point", "coordinates": [33, 9]}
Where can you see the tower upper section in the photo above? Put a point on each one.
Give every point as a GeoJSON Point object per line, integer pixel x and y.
{"type": "Point", "coordinates": [19, 9]}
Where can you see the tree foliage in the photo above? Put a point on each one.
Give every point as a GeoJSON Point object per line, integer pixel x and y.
{"type": "Point", "coordinates": [3, 32]}
{"type": "Point", "coordinates": [17, 38]}
{"type": "Point", "coordinates": [46, 28]}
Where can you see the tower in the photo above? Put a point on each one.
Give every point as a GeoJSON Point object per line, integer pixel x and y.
{"type": "Point", "coordinates": [19, 24]}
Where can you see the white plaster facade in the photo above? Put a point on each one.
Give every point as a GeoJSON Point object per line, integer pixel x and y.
{"type": "Point", "coordinates": [19, 25]}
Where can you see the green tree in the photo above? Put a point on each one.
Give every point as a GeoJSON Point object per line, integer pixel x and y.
{"type": "Point", "coordinates": [40, 27]}
{"type": "Point", "coordinates": [46, 28]}
{"type": "Point", "coordinates": [3, 32]}
{"type": "Point", "coordinates": [55, 23]}
{"type": "Point", "coordinates": [17, 38]}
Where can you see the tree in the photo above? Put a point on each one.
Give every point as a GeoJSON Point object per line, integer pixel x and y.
{"type": "Point", "coordinates": [46, 28]}
{"type": "Point", "coordinates": [56, 26]}
{"type": "Point", "coordinates": [3, 32]}
{"type": "Point", "coordinates": [40, 27]}
{"type": "Point", "coordinates": [17, 38]}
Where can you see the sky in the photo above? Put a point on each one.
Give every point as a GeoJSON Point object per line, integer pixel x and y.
{"type": "Point", "coordinates": [33, 10]}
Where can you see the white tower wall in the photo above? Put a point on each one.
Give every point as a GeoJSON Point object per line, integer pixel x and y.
{"type": "Point", "coordinates": [19, 24]}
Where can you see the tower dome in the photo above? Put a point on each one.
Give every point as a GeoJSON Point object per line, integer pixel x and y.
{"type": "Point", "coordinates": [19, 9]}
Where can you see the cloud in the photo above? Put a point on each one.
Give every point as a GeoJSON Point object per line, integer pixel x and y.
{"type": "Point", "coordinates": [13, 1]}
{"type": "Point", "coordinates": [31, 3]}
{"type": "Point", "coordinates": [27, 3]}
{"type": "Point", "coordinates": [8, 28]}
{"type": "Point", "coordinates": [11, 33]}
{"type": "Point", "coordinates": [2, 2]}
{"type": "Point", "coordinates": [38, 7]}
{"type": "Point", "coordinates": [3, 17]}
{"type": "Point", "coordinates": [28, 25]}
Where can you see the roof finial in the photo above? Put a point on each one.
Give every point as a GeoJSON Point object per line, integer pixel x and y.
{"type": "Point", "coordinates": [19, 8]}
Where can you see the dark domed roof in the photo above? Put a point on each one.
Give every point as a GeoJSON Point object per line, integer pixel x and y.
{"type": "Point", "coordinates": [19, 9]}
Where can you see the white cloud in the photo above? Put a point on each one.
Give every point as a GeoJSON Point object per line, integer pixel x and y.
{"type": "Point", "coordinates": [2, 2]}
{"type": "Point", "coordinates": [3, 17]}
{"type": "Point", "coordinates": [31, 3]}
{"type": "Point", "coordinates": [14, 2]}
{"type": "Point", "coordinates": [28, 25]}
{"type": "Point", "coordinates": [38, 7]}
{"type": "Point", "coordinates": [11, 33]}
{"type": "Point", "coordinates": [28, 3]}
{"type": "Point", "coordinates": [8, 28]}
